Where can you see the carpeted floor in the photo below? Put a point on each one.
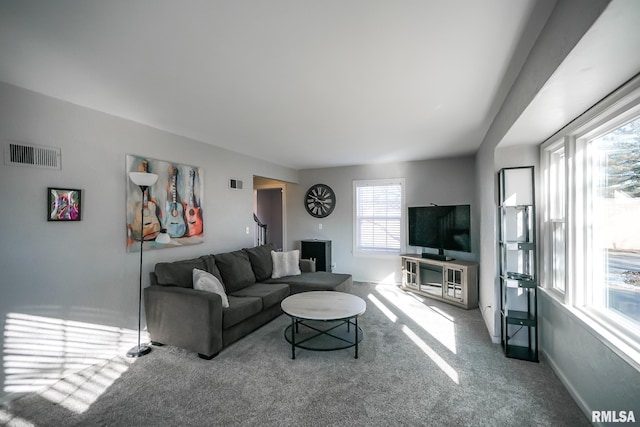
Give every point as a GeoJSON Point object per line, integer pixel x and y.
{"type": "Point", "coordinates": [420, 363]}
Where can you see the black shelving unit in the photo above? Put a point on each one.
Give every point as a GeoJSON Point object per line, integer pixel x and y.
{"type": "Point", "coordinates": [518, 266]}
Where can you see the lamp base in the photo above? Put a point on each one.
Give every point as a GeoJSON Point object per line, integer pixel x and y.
{"type": "Point", "coordinates": [139, 350]}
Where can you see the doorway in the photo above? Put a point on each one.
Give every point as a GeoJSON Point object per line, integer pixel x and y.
{"type": "Point", "coordinates": [269, 209]}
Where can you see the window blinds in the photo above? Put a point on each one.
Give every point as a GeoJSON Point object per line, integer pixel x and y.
{"type": "Point", "coordinates": [378, 216]}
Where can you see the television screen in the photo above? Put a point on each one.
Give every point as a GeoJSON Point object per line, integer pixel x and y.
{"type": "Point", "coordinates": [440, 227]}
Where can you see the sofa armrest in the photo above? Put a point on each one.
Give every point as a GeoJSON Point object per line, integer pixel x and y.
{"type": "Point", "coordinates": [184, 317]}
{"type": "Point", "coordinates": [308, 265]}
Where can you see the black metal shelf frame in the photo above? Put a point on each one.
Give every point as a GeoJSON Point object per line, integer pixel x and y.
{"type": "Point", "coordinates": [518, 266]}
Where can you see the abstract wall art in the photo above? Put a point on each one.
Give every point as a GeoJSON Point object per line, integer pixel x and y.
{"type": "Point", "coordinates": [173, 203]}
{"type": "Point", "coordinates": [64, 204]}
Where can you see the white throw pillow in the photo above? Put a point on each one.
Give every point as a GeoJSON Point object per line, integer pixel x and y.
{"type": "Point", "coordinates": [285, 264]}
{"type": "Point", "coordinates": [204, 281]}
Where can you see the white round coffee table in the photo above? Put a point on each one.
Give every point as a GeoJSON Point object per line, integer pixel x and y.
{"type": "Point", "coordinates": [322, 320]}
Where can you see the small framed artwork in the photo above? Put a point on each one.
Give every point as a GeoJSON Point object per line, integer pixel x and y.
{"type": "Point", "coordinates": [64, 204]}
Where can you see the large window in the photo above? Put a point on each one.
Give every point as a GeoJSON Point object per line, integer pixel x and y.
{"type": "Point", "coordinates": [591, 225]}
{"type": "Point", "coordinates": [613, 218]}
{"type": "Point", "coordinates": [557, 208]}
{"type": "Point", "coordinates": [378, 216]}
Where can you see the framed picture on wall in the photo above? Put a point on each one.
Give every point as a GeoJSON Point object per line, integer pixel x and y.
{"type": "Point", "coordinates": [173, 203]}
{"type": "Point", "coordinates": [64, 204]}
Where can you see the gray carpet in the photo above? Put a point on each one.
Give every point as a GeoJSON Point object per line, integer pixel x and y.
{"type": "Point", "coordinates": [421, 363]}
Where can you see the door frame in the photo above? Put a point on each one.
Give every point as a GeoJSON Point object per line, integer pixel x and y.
{"type": "Point", "coordinates": [283, 187]}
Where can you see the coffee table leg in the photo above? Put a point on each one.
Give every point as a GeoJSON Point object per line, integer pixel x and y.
{"type": "Point", "coordinates": [293, 337]}
{"type": "Point", "coordinates": [356, 329]}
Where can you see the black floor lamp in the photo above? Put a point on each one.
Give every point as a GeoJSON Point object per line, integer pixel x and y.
{"type": "Point", "coordinates": [144, 180]}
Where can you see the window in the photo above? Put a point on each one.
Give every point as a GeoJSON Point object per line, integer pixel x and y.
{"type": "Point", "coordinates": [557, 171]}
{"type": "Point", "coordinates": [378, 216]}
{"type": "Point", "coordinates": [613, 218]}
{"type": "Point", "coordinates": [591, 226]}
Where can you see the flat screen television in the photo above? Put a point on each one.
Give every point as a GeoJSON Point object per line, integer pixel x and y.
{"type": "Point", "coordinates": [440, 227]}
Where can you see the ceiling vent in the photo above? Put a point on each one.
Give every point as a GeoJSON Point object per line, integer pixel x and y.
{"type": "Point", "coordinates": [22, 154]}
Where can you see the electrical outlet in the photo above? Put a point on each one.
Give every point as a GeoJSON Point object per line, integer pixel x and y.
{"type": "Point", "coordinates": [247, 230]}
{"type": "Point", "coordinates": [320, 226]}
{"type": "Point", "coordinates": [333, 266]}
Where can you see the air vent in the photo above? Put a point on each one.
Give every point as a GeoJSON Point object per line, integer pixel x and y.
{"type": "Point", "coordinates": [235, 184]}
{"type": "Point", "coordinates": [22, 154]}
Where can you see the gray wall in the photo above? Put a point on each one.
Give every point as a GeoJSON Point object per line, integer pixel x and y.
{"type": "Point", "coordinates": [81, 271]}
{"type": "Point", "coordinates": [594, 374]}
{"type": "Point", "coordinates": [597, 377]}
{"type": "Point", "coordinates": [568, 22]}
{"type": "Point", "coordinates": [445, 181]}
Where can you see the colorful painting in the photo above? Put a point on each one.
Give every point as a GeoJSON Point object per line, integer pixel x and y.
{"type": "Point", "coordinates": [173, 203]}
{"type": "Point", "coordinates": [64, 204]}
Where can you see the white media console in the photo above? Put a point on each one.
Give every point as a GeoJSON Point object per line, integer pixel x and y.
{"type": "Point", "coordinates": [453, 281]}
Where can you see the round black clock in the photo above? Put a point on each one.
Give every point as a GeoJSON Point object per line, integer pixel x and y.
{"type": "Point", "coordinates": [320, 200]}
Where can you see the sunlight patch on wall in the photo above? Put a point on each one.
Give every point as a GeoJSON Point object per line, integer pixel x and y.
{"type": "Point", "coordinates": [439, 326]}
{"type": "Point", "coordinates": [389, 280]}
{"type": "Point", "coordinates": [39, 351]}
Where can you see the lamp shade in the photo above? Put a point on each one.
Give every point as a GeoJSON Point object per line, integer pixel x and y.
{"type": "Point", "coordinates": [163, 237]}
{"type": "Point", "coordinates": [143, 178]}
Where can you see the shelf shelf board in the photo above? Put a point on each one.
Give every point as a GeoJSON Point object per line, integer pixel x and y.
{"type": "Point", "coordinates": [521, 283]}
{"type": "Point", "coordinates": [515, 317]}
{"type": "Point", "coordinates": [516, 207]}
{"type": "Point", "coordinates": [520, 352]}
{"type": "Point", "coordinates": [516, 245]}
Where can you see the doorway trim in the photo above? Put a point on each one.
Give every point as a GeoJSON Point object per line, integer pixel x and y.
{"type": "Point", "coordinates": [273, 184]}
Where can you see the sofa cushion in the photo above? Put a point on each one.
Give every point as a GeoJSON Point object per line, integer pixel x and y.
{"type": "Point", "coordinates": [285, 263]}
{"type": "Point", "coordinates": [210, 263]}
{"type": "Point", "coordinates": [205, 281]}
{"type": "Point", "coordinates": [271, 294]}
{"type": "Point", "coordinates": [317, 281]}
{"type": "Point", "coordinates": [235, 269]}
{"type": "Point", "coordinates": [261, 262]}
{"type": "Point", "coordinates": [240, 308]}
{"type": "Point", "coordinates": [178, 273]}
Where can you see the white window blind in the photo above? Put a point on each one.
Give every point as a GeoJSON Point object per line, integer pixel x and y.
{"type": "Point", "coordinates": [378, 216]}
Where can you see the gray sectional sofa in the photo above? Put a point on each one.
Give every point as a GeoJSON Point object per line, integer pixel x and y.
{"type": "Point", "coordinates": [179, 315]}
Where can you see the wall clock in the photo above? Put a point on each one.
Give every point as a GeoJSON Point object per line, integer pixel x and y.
{"type": "Point", "coordinates": [320, 200]}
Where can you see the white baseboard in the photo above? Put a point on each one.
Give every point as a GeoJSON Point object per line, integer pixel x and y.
{"type": "Point", "coordinates": [9, 397]}
{"type": "Point", "coordinates": [494, 338]}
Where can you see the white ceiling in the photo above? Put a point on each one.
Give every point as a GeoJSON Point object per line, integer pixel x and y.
{"type": "Point", "coordinates": [299, 83]}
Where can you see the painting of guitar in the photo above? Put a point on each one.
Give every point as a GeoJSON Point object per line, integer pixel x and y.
{"type": "Point", "coordinates": [193, 212]}
{"type": "Point", "coordinates": [146, 214]}
{"type": "Point", "coordinates": [176, 226]}
{"type": "Point", "coordinates": [173, 204]}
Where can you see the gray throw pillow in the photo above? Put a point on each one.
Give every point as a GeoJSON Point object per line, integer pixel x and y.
{"type": "Point", "coordinates": [261, 261]}
{"type": "Point", "coordinates": [210, 263]}
{"type": "Point", "coordinates": [235, 269]}
{"type": "Point", "coordinates": [178, 273]}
